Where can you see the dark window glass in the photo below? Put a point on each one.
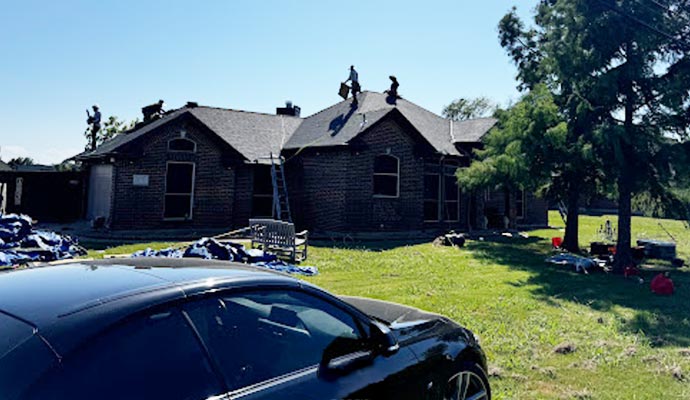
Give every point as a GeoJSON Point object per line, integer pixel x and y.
{"type": "Point", "coordinates": [385, 165]}
{"type": "Point", "coordinates": [152, 357]}
{"type": "Point", "coordinates": [431, 186]}
{"type": "Point", "coordinates": [430, 210]}
{"type": "Point", "coordinates": [178, 206]}
{"type": "Point", "coordinates": [451, 188]}
{"type": "Point", "coordinates": [386, 176]}
{"type": "Point", "coordinates": [179, 184]}
{"type": "Point", "coordinates": [386, 185]}
{"type": "Point", "coordinates": [262, 196]}
{"type": "Point", "coordinates": [255, 336]}
{"type": "Point", "coordinates": [450, 212]}
{"type": "Point", "coordinates": [179, 178]}
{"type": "Point", "coordinates": [181, 145]}
{"type": "Point", "coordinates": [520, 204]}
{"type": "Point", "coordinates": [263, 184]}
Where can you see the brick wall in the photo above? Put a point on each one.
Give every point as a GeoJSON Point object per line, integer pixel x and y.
{"type": "Point", "coordinates": [137, 207]}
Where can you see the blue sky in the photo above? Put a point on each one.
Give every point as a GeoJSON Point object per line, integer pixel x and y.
{"type": "Point", "coordinates": [59, 57]}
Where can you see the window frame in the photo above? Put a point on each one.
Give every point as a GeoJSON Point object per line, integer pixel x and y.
{"type": "Point", "coordinates": [191, 194]}
{"type": "Point", "coordinates": [396, 175]}
{"type": "Point", "coordinates": [457, 187]}
{"type": "Point", "coordinates": [438, 176]}
{"type": "Point", "coordinates": [182, 151]}
{"type": "Point", "coordinates": [262, 195]}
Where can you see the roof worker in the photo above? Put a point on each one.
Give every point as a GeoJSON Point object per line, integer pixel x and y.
{"type": "Point", "coordinates": [95, 122]}
{"type": "Point", "coordinates": [393, 91]}
{"type": "Point", "coordinates": [356, 88]}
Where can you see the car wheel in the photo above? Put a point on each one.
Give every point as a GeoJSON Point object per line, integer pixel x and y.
{"type": "Point", "coordinates": [470, 383]}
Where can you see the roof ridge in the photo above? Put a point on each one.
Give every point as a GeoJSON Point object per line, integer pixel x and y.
{"type": "Point", "coordinates": [364, 93]}
{"type": "Point", "coordinates": [242, 111]}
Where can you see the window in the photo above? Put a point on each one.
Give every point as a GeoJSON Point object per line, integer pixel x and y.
{"type": "Point", "coordinates": [182, 144]}
{"type": "Point", "coordinates": [262, 196]}
{"type": "Point", "coordinates": [258, 335]}
{"type": "Point", "coordinates": [179, 191]}
{"type": "Point", "coordinates": [451, 204]}
{"type": "Point", "coordinates": [520, 204]}
{"type": "Point", "coordinates": [432, 190]}
{"type": "Point", "coordinates": [386, 176]}
{"type": "Point", "coordinates": [151, 357]}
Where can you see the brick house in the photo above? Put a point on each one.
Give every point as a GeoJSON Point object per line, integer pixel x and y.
{"type": "Point", "coordinates": [386, 165]}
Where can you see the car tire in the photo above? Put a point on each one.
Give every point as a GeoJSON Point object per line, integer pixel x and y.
{"type": "Point", "coordinates": [469, 383]}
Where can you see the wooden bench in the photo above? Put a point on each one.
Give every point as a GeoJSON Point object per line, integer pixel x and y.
{"type": "Point", "coordinates": [279, 237]}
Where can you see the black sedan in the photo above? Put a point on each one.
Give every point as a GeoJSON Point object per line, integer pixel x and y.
{"type": "Point", "coordinates": [195, 330]}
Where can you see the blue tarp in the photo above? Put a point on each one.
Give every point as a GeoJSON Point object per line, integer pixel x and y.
{"type": "Point", "coordinates": [20, 243]}
{"type": "Point", "coordinates": [211, 249]}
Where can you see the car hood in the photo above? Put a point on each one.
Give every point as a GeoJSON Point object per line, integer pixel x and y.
{"type": "Point", "coordinates": [406, 322]}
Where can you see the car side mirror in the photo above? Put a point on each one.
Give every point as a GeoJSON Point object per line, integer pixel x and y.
{"type": "Point", "coordinates": [383, 340]}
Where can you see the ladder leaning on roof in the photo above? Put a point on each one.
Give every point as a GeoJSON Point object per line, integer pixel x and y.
{"type": "Point", "coordinates": [281, 203]}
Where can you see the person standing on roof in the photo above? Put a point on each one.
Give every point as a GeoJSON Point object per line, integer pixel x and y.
{"type": "Point", "coordinates": [356, 88]}
{"type": "Point", "coordinates": [393, 91]}
{"type": "Point", "coordinates": [95, 122]}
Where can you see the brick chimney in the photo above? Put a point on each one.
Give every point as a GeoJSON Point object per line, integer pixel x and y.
{"type": "Point", "coordinates": [289, 109]}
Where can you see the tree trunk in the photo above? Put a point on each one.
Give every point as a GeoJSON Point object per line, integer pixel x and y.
{"type": "Point", "coordinates": [571, 241]}
{"type": "Point", "coordinates": [623, 256]}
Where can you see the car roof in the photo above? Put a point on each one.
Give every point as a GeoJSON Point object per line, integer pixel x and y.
{"type": "Point", "coordinates": [65, 303]}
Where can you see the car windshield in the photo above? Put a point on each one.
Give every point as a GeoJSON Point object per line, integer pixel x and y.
{"type": "Point", "coordinates": [13, 332]}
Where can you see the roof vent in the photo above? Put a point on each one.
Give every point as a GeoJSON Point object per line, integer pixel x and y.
{"type": "Point", "coordinates": [192, 104]}
{"type": "Point", "coordinates": [289, 109]}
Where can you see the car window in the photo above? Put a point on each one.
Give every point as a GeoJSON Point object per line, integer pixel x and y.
{"type": "Point", "coordinates": [155, 356]}
{"type": "Point", "coordinates": [260, 335]}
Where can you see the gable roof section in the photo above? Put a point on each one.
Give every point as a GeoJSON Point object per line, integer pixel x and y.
{"type": "Point", "coordinates": [340, 123]}
{"type": "Point", "coordinates": [253, 135]}
{"type": "Point", "coordinates": [4, 167]}
{"type": "Point", "coordinates": [472, 130]}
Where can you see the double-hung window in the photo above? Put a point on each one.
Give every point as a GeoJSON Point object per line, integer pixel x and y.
{"type": "Point", "coordinates": [386, 176]}
{"type": "Point", "coordinates": [179, 190]}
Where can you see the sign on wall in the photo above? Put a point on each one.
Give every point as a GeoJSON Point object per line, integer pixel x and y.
{"type": "Point", "coordinates": [140, 180]}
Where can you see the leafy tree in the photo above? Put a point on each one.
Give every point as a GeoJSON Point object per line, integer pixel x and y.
{"type": "Point", "coordinates": [110, 128]}
{"type": "Point", "coordinates": [21, 161]}
{"type": "Point", "coordinates": [462, 109]}
{"type": "Point", "coordinates": [553, 55]}
{"type": "Point", "coordinates": [521, 152]}
{"type": "Point", "coordinates": [621, 74]}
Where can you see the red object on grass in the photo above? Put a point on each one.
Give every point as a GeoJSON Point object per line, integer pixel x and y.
{"type": "Point", "coordinates": [662, 285]}
{"type": "Point", "coordinates": [556, 242]}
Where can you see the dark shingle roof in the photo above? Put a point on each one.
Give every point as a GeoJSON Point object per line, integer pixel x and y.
{"type": "Point", "coordinates": [339, 124]}
{"type": "Point", "coordinates": [256, 135]}
{"type": "Point", "coordinates": [253, 135]}
{"type": "Point", "coordinates": [473, 130]}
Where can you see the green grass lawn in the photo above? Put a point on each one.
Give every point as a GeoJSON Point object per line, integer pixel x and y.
{"type": "Point", "coordinates": [628, 343]}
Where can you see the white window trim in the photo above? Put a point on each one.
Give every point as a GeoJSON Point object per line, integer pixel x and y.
{"type": "Point", "coordinates": [181, 151]}
{"type": "Point", "coordinates": [396, 175]}
{"type": "Point", "coordinates": [191, 195]}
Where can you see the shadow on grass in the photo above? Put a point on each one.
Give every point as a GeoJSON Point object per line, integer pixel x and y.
{"type": "Point", "coordinates": [664, 320]}
{"type": "Point", "coordinates": [367, 245]}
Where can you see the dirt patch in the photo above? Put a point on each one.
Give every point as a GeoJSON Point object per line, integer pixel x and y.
{"type": "Point", "coordinates": [565, 348]}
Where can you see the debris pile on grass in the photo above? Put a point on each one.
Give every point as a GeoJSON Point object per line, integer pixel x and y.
{"type": "Point", "coordinates": [212, 249]}
{"type": "Point", "coordinates": [20, 243]}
